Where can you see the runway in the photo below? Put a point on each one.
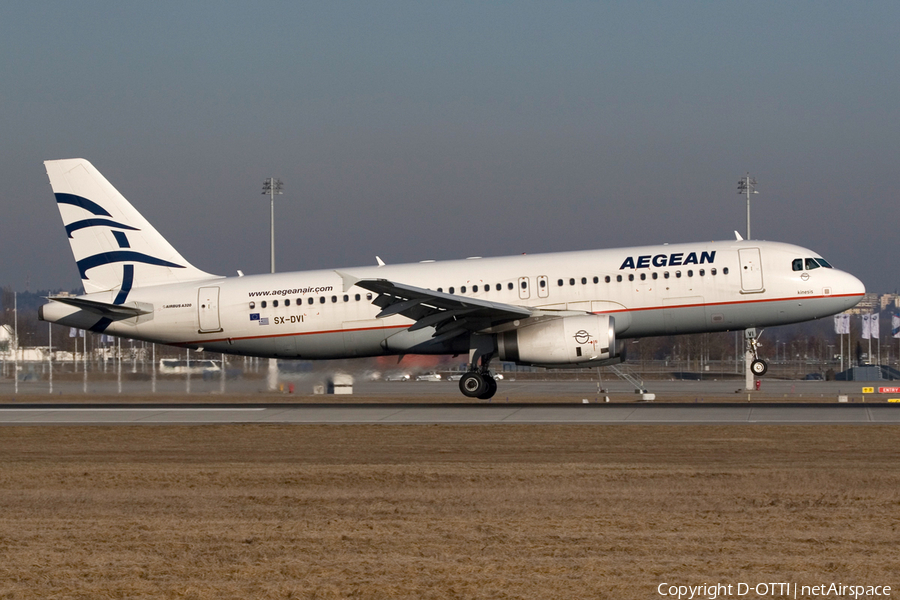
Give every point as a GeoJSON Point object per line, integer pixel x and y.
{"type": "Point", "coordinates": [424, 414]}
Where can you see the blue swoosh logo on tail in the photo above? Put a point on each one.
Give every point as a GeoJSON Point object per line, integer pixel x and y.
{"type": "Point", "coordinates": [105, 258]}
{"type": "Point", "coordinates": [84, 203]}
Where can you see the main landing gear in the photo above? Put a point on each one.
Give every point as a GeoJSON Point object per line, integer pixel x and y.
{"type": "Point", "coordinates": [478, 382]}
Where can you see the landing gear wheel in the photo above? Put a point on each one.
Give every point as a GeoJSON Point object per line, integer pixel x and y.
{"type": "Point", "coordinates": [759, 367]}
{"type": "Point", "coordinates": [491, 388]}
{"type": "Point", "coordinates": [473, 385]}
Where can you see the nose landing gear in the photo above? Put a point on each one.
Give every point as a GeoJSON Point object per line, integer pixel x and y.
{"type": "Point", "coordinates": [757, 366]}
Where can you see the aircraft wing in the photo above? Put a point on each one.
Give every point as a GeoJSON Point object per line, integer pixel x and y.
{"type": "Point", "coordinates": [449, 314]}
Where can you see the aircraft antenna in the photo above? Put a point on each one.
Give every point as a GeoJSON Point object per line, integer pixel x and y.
{"type": "Point", "coordinates": [272, 187]}
{"type": "Point", "coordinates": [747, 185]}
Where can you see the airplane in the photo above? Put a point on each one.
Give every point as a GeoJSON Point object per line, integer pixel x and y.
{"type": "Point", "coordinates": [564, 309]}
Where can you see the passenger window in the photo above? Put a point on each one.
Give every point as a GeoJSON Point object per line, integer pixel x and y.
{"type": "Point", "coordinates": [499, 287]}
{"type": "Point", "coordinates": [334, 298]}
{"type": "Point", "coordinates": [441, 290]}
{"type": "Point", "coordinates": [583, 280]}
{"type": "Point", "coordinates": [677, 274]}
{"type": "Point", "coordinates": [572, 281]}
{"type": "Point", "coordinates": [596, 279]}
{"type": "Point", "coordinates": [655, 275]}
{"type": "Point", "coordinates": [712, 271]}
{"type": "Point", "coordinates": [321, 299]}
{"type": "Point", "coordinates": [356, 297]}
{"type": "Point", "coordinates": [702, 272]}
{"type": "Point", "coordinates": [311, 300]}
{"type": "Point", "coordinates": [287, 302]}
{"type": "Point", "coordinates": [618, 278]}
{"type": "Point", "coordinates": [690, 273]}
{"type": "Point", "coordinates": [262, 304]}
{"type": "Point", "coordinates": [346, 298]}
{"type": "Point", "coordinates": [559, 282]}
{"type": "Point", "coordinates": [474, 289]}
{"type": "Point", "coordinates": [724, 270]}
{"type": "Point", "coordinates": [252, 305]}
{"type": "Point", "coordinates": [542, 283]}
{"type": "Point", "coordinates": [524, 284]}
{"type": "Point", "coordinates": [607, 279]}
{"type": "Point", "coordinates": [811, 264]}
{"type": "Point", "coordinates": [451, 289]}
{"type": "Point", "coordinates": [643, 276]}
{"type": "Point", "coordinates": [631, 277]}
{"type": "Point", "coordinates": [274, 303]}
{"type": "Point", "coordinates": [797, 264]}
{"type": "Point", "coordinates": [462, 289]}
{"type": "Point", "coordinates": [666, 275]}
{"type": "Point", "coordinates": [509, 285]}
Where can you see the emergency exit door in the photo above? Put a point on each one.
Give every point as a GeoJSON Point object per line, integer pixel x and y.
{"type": "Point", "coordinates": [524, 294]}
{"type": "Point", "coordinates": [208, 306]}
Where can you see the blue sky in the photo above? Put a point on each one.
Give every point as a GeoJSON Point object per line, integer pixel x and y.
{"type": "Point", "coordinates": [443, 130]}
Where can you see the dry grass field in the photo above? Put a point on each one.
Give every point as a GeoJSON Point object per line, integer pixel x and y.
{"type": "Point", "coordinates": [569, 512]}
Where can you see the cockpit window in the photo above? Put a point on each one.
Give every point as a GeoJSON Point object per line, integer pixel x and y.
{"type": "Point", "coordinates": [797, 265]}
{"type": "Point", "coordinates": [811, 264]}
{"type": "Point", "coordinates": [824, 263]}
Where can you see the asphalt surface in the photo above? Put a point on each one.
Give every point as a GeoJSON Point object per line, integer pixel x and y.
{"type": "Point", "coordinates": [607, 414]}
{"type": "Point", "coordinates": [570, 390]}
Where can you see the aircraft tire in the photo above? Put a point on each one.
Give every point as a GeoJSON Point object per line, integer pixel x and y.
{"type": "Point", "coordinates": [759, 367]}
{"type": "Point", "coordinates": [491, 386]}
{"type": "Point", "coordinates": [472, 385]}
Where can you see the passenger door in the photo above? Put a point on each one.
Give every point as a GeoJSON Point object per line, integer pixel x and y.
{"type": "Point", "coordinates": [208, 307]}
{"type": "Point", "coordinates": [751, 271]}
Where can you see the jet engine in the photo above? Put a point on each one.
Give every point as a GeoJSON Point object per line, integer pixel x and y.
{"type": "Point", "coordinates": [560, 341]}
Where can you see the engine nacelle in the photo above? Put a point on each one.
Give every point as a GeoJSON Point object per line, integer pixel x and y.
{"type": "Point", "coordinates": [562, 341]}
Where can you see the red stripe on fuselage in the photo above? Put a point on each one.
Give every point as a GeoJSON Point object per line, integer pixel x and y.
{"type": "Point", "coordinates": [623, 310]}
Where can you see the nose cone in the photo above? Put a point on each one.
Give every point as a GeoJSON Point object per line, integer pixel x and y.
{"type": "Point", "coordinates": [851, 288]}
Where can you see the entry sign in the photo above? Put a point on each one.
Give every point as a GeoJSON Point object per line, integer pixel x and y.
{"type": "Point", "coordinates": [889, 390]}
{"type": "Point", "coordinates": [868, 390]}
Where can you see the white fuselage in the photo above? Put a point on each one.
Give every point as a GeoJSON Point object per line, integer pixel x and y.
{"type": "Point", "coordinates": [652, 290]}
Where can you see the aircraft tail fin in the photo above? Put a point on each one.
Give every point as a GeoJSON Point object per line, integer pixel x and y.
{"type": "Point", "coordinates": [114, 246]}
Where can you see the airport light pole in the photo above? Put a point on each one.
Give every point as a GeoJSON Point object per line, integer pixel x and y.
{"type": "Point", "coordinates": [272, 187]}
{"type": "Point", "coordinates": [747, 185]}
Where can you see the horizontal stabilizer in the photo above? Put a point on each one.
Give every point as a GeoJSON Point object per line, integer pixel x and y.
{"type": "Point", "coordinates": [115, 312]}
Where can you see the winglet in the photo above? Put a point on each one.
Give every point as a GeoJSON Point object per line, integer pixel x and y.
{"type": "Point", "coordinates": [380, 262]}
{"type": "Point", "coordinates": [348, 279]}
{"type": "Point", "coordinates": [738, 237]}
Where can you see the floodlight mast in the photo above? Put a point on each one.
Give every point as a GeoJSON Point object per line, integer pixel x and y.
{"type": "Point", "coordinates": [272, 187]}
{"type": "Point", "coordinates": [747, 185]}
